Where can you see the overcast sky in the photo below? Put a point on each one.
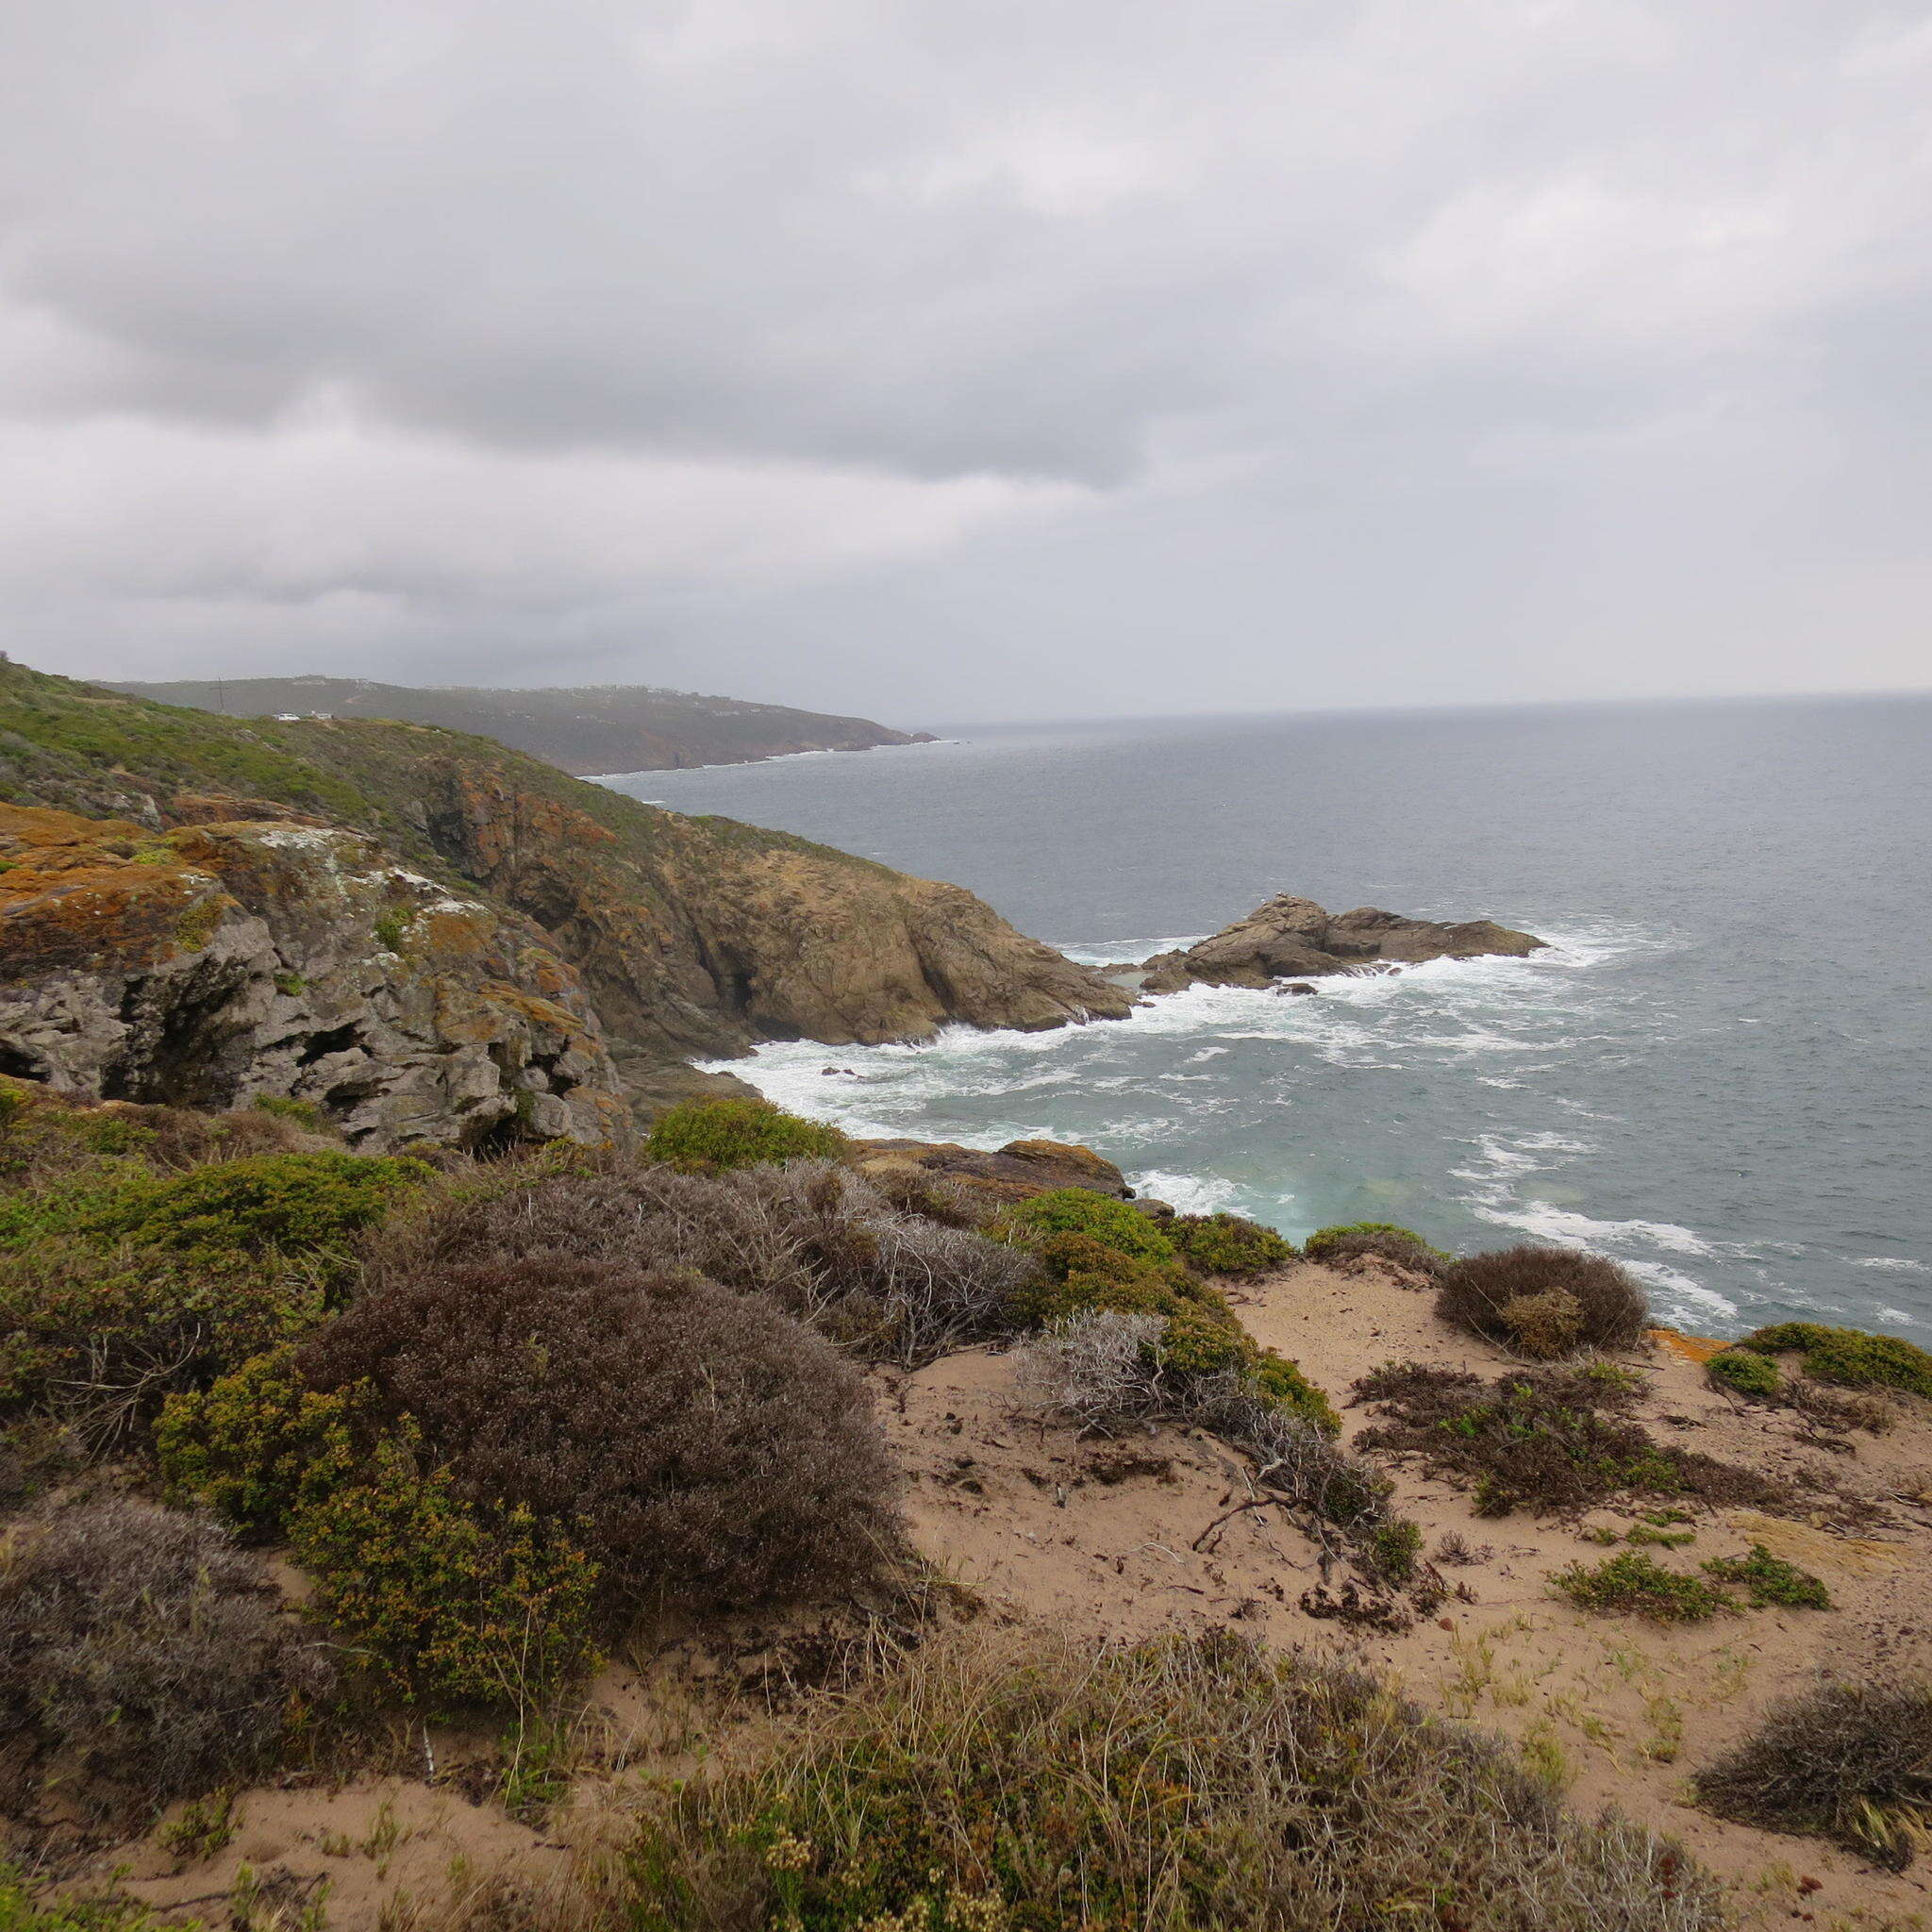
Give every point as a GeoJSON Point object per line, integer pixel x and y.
{"type": "Point", "coordinates": [942, 358]}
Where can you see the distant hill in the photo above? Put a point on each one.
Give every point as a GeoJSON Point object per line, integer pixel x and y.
{"type": "Point", "coordinates": [589, 729]}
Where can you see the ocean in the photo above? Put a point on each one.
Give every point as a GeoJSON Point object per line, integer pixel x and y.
{"type": "Point", "coordinates": [1719, 1075]}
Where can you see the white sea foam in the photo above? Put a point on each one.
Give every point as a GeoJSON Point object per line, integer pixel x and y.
{"type": "Point", "coordinates": [1899, 1262]}
{"type": "Point", "coordinates": [1190, 1193]}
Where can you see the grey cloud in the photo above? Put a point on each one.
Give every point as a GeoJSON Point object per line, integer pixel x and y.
{"type": "Point", "coordinates": [1342, 352]}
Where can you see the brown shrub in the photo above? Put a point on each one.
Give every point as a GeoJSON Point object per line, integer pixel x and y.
{"type": "Point", "coordinates": [703, 1448]}
{"type": "Point", "coordinates": [1546, 1440]}
{"type": "Point", "coordinates": [1490, 1293]}
{"type": "Point", "coordinates": [1395, 1245]}
{"type": "Point", "coordinates": [141, 1650]}
{"type": "Point", "coordinates": [1850, 1763]}
{"type": "Point", "coordinates": [818, 1239]}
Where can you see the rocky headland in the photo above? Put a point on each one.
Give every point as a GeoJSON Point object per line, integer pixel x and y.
{"type": "Point", "coordinates": [1291, 937]}
{"type": "Point", "coordinates": [432, 937]}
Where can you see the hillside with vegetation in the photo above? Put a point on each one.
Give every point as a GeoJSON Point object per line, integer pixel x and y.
{"type": "Point", "coordinates": [583, 730]}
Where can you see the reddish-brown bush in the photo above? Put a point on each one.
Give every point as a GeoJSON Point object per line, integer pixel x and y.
{"type": "Point", "coordinates": [1480, 1292]}
{"type": "Point", "coordinates": [705, 1448]}
{"type": "Point", "coordinates": [142, 1658]}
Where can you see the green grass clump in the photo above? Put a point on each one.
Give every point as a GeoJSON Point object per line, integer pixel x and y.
{"type": "Point", "coordinates": [1771, 1581]}
{"type": "Point", "coordinates": [1228, 1244]}
{"type": "Point", "coordinates": [305, 1113]}
{"type": "Point", "coordinates": [1848, 1356]}
{"type": "Point", "coordinates": [1635, 1585]}
{"type": "Point", "coordinates": [1115, 1225]}
{"type": "Point", "coordinates": [713, 1136]}
{"type": "Point", "coordinates": [1402, 1245]}
{"type": "Point", "coordinates": [1746, 1373]}
{"type": "Point", "coordinates": [26, 1909]}
{"type": "Point", "coordinates": [1017, 1783]}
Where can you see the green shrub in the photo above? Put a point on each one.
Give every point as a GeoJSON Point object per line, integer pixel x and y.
{"type": "Point", "coordinates": [291, 1202]}
{"type": "Point", "coordinates": [1545, 1440]}
{"type": "Point", "coordinates": [1746, 1373]}
{"type": "Point", "coordinates": [1771, 1581]}
{"type": "Point", "coordinates": [1848, 1356]}
{"type": "Point", "coordinates": [1115, 1225]}
{"type": "Point", "coordinates": [1228, 1244]}
{"type": "Point", "coordinates": [457, 1603]}
{"type": "Point", "coordinates": [257, 1444]}
{"type": "Point", "coordinates": [1382, 1240]}
{"type": "Point", "coordinates": [1639, 1586]}
{"type": "Point", "coordinates": [305, 1113]}
{"type": "Point", "coordinates": [24, 1908]}
{"type": "Point", "coordinates": [709, 1136]}
{"type": "Point", "coordinates": [1022, 1782]}
{"type": "Point", "coordinates": [1849, 1762]}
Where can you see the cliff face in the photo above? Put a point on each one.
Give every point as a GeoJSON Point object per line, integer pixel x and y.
{"type": "Point", "coordinates": [658, 937]}
{"type": "Point", "coordinates": [594, 729]}
{"type": "Point", "coordinates": [216, 964]}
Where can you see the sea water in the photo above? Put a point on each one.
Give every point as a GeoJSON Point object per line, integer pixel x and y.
{"type": "Point", "coordinates": [1720, 1073]}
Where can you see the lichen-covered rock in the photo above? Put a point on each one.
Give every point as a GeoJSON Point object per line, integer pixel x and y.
{"type": "Point", "coordinates": [211, 964]}
{"type": "Point", "coordinates": [1294, 938]}
{"type": "Point", "coordinates": [1015, 1173]}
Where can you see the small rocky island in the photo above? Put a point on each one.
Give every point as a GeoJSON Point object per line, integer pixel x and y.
{"type": "Point", "coordinates": [1290, 937]}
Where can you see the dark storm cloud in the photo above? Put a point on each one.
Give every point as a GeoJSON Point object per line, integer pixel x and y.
{"type": "Point", "coordinates": [1230, 353]}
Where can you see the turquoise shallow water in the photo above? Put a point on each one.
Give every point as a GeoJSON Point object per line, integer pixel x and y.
{"type": "Point", "coordinates": [1721, 1073]}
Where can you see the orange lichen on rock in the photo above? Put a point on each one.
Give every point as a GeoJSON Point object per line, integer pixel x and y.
{"type": "Point", "coordinates": [1693, 1348]}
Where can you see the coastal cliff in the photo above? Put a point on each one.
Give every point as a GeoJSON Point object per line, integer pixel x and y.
{"type": "Point", "coordinates": [657, 938]}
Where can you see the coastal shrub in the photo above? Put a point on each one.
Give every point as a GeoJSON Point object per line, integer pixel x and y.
{"type": "Point", "coordinates": [1506, 1295]}
{"type": "Point", "coordinates": [1228, 1244]}
{"type": "Point", "coordinates": [257, 1444]}
{"type": "Point", "coordinates": [1546, 1440]}
{"type": "Point", "coordinates": [1633, 1584]}
{"type": "Point", "coordinates": [1114, 1225]}
{"type": "Point", "coordinates": [456, 1603]}
{"type": "Point", "coordinates": [98, 1336]}
{"type": "Point", "coordinates": [1769, 1581]}
{"type": "Point", "coordinates": [1848, 1356]}
{"type": "Point", "coordinates": [814, 1235]}
{"type": "Point", "coordinates": [709, 1136]}
{"type": "Point", "coordinates": [1848, 1762]}
{"type": "Point", "coordinates": [143, 1657]}
{"type": "Point", "coordinates": [1025, 1780]}
{"type": "Point", "coordinates": [1380, 1240]}
{"type": "Point", "coordinates": [1744, 1372]}
{"type": "Point", "coordinates": [706, 1449]}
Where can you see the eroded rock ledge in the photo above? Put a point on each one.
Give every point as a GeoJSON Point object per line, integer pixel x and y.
{"type": "Point", "coordinates": [1290, 937]}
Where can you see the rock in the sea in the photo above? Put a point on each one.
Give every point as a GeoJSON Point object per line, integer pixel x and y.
{"type": "Point", "coordinates": [218, 963]}
{"type": "Point", "coordinates": [1292, 936]}
{"type": "Point", "coordinates": [1020, 1170]}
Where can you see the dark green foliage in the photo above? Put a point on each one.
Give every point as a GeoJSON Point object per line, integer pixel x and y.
{"type": "Point", "coordinates": [1382, 1240]}
{"type": "Point", "coordinates": [257, 1444]}
{"type": "Point", "coordinates": [288, 1203]}
{"type": "Point", "coordinates": [1228, 1244]}
{"type": "Point", "coordinates": [1635, 1585]}
{"type": "Point", "coordinates": [1113, 1224]}
{"type": "Point", "coordinates": [1506, 1295]}
{"type": "Point", "coordinates": [459, 1603]}
{"type": "Point", "coordinates": [712, 1136]}
{"type": "Point", "coordinates": [702, 1448]}
{"type": "Point", "coordinates": [1746, 1373]}
{"type": "Point", "coordinates": [1546, 1440]}
{"type": "Point", "coordinates": [1771, 1581]}
{"type": "Point", "coordinates": [1394, 1548]}
{"type": "Point", "coordinates": [305, 1113]}
{"type": "Point", "coordinates": [139, 1646]}
{"type": "Point", "coordinates": [1848, 1356]}
{"type": "Point", "coordinates": [1175, 1785]}
{"type": "Point", "coordinates": [1849, 1762]}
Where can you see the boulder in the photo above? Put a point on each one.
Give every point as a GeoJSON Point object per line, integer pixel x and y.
{"type": "Point", "coordinates": [1017, 1172]}
{"type": "Point", "coordinates": [1291, 937]}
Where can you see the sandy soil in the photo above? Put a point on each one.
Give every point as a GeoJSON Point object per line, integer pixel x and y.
{"type": "Point", "coordinates": [1122, 1539]}
{"type": "Point", "coordinates": [1118, 1538]}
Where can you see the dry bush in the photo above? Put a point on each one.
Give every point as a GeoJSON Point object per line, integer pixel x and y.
{"type": "Point", "coordinates": [1375, 1241]}
{"type": "Point", "coordinates": [1850, 1763]}
{"type": "Point", "coordinates": [1546, 1440]}
{"type": "Point", "coordinates": [703, 1448]}
{"type": "Point", "coordinates": [820, 1240]}
{"type": "Point", "coordinates": [1504, 1296]}
{"type": "Point", "coordinates": [1021, 1780]}
{"type": "Point", "coordinates": [143, 1650]}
